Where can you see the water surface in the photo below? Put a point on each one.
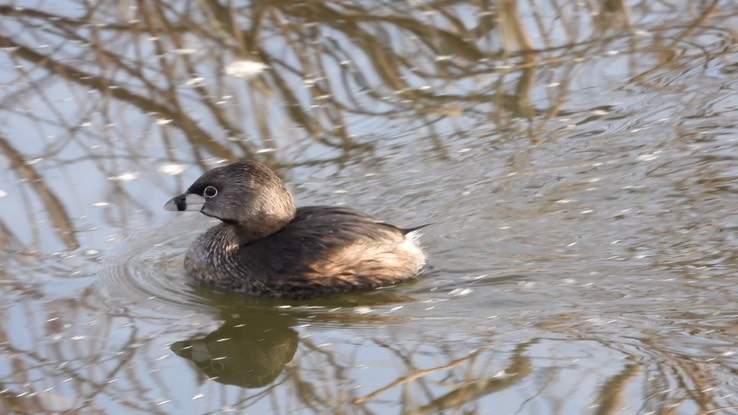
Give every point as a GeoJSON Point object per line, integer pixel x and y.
{"type": "Point", "coordinates": [577, 162]}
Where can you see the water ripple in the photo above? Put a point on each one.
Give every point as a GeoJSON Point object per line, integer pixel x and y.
{"type": "Point", "coordinates": [146, 275]}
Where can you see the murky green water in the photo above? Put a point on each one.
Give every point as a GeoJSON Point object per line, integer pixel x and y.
{"type": "Point", "coordinates": [577, 161]}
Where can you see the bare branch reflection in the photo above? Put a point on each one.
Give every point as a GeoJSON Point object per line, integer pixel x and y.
{"type": "Point", "coordinates": [109, 105]}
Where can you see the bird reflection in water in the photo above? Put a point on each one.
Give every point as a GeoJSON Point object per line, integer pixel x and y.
{"type": "Point", "coordinates": [248, 350]}
{"type": "Point", "coordinates": [256, 340]}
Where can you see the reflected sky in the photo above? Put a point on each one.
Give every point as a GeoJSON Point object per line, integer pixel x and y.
{"type": "Point", "coordinates": [576, 161]}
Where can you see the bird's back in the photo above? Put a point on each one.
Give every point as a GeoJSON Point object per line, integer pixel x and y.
{"type": "Point", "coordinates": [323, 249]}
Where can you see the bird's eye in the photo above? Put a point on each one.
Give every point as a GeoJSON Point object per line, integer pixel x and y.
{"type": "Point", "coordinates": [210, 191]}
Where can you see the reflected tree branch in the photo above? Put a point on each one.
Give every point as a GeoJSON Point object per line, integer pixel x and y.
{"type": "Point", "coordinates": [55, 207]}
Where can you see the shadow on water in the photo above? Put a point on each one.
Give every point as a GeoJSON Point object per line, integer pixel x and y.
{"type": "Point", "coordinates": [576, 158]}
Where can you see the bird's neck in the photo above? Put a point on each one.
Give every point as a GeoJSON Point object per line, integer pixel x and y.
{"type": "Point", "coordinates": [253, 231]}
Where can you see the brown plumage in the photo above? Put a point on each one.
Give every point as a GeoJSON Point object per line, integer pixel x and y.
{"type": "Point", "coordinates": [265, 246]}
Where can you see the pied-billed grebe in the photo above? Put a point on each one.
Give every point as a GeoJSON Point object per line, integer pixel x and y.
{"type": "Point", "coordinates": [266, 246]}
